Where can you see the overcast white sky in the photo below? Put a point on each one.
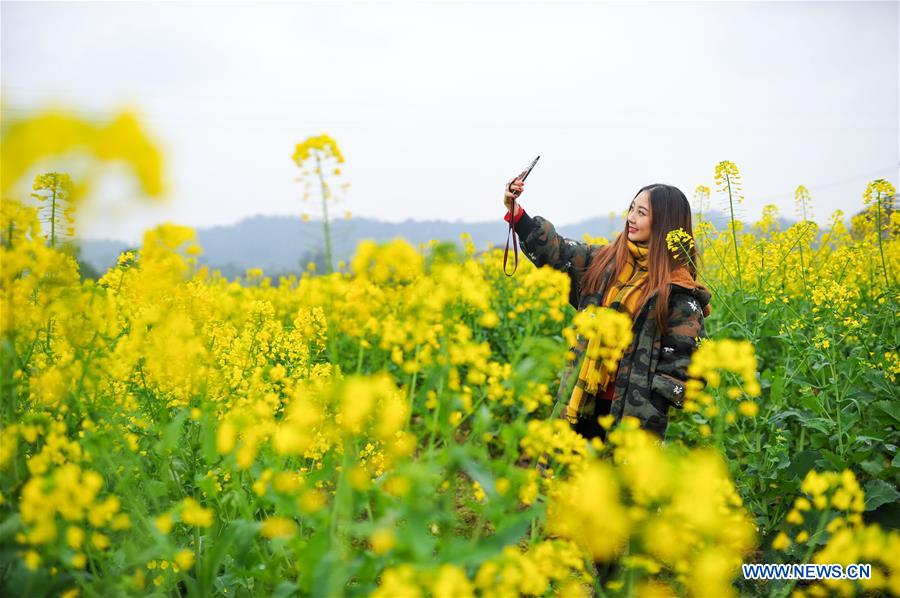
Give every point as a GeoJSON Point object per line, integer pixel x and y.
{"type": "Point", "coordinates": [436, 105]}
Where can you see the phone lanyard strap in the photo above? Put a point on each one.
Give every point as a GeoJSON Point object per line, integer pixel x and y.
{"type": "Point", "coordinates": [512, 231]}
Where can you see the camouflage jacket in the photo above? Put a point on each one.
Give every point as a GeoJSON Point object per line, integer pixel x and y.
{"type": "Point", "coordinates": [653, 370]}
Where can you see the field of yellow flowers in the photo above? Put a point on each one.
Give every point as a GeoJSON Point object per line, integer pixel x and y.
{"type": "Point", "coordinates": [378, 430]}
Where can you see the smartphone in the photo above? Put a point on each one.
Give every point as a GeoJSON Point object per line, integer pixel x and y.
{"type": "Point", "coordinates": [527, 171]}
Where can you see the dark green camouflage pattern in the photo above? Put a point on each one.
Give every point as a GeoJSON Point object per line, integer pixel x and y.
{"type": "Point", "coordinates": [653, 370]}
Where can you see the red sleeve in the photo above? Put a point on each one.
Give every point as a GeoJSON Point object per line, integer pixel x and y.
{"type": "Point", "coordinates": [519, 212]}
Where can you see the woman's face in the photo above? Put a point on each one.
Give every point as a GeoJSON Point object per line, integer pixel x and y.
{"type": "Point", "coordinates": [639, 218]}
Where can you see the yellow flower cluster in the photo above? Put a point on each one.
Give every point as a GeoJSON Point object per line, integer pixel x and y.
{"type": "Point", "coordinates": [591, 240]}
{"type": "Point", "coordinates": [193, 513]}
{"type": "Point", "coordinates": [374, 402]}
{"type": "Point", "coordinates": [165, 570]}
{"type": "Point", "coordinates": [48, 134]}
{"type": "Point", "coordinates": [513, 573]}
{"type": "Point", "coordinates": [678, 514]}
{"type": "Point", "coordinates": [589, 510]}
{"type": "Point", "coordinates": [878, 190]}
{"type": "Point", "coordinates": [445, 581]}
{"type": "Point", "coordinates": [189, 512]}
{"type": "Point", "coordinates": [833, 298]}
{"type": "Point", "coordinates": [701, 198]}
{"type": "Point", "coordinates": [712, 359]}
{"type": "Point", "coordinates": [768, 222]}
{"type": "Point", "coordinates": [56, 508]}
{"type": "Point", "coordinates": [555, 445]}
{"type": "Point", "coordinates": [802, 199]}
{"type": "Point", "coordinates": [382, 540]}
{"type": "Point", "coordinates": [322, 146]}
{"type": "Point", "coordinates": [679, 242]}
{"type": "Point", "coordinates": [728, 179]}
{"type": "Point", "coordinates": [783, 265]}
{"type": "Point", "coordinates": [57, 448]}
{"type": "Point", "coordinates": [55, 190]}
{"type": "Point", "coordinates": [278, 527]}
{"type": "Point", "coordinates": [394, 262]}
{"type": "Point", "coordinates": [705, 231]}
{"type": "Point", "coordinates": [542, 291]}
{"type": "Point", "coordinates": [891, 367]}
{"type": "Point", "coordinates": [833, 503]}
{"type": "Point", "coordinates": [306, 400]}
{"type": "Point", "coordinates": [608, 334]}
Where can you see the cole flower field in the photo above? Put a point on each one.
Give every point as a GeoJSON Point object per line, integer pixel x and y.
{"type": "Point", "coordinates": [384, 428]}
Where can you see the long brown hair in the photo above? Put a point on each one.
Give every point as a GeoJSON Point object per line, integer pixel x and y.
{"type": "Point", "coordinates": [669, 210]}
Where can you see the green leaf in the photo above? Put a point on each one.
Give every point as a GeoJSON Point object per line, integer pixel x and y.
{"type": "Point", "coordinates": [9, 527]}
{"type": "Point", "coordinates": [812, 403]}
{"type": "Point", "coordinates": [849, 420]}
{"type": "Point", "coordinates": [238, 533]}
{"type": "Point", "coordinates": [480, 474]}
{"type": "Point", "coordinates": [209, 563]}
{"type": "Point", "coordinates": [172, 434]}
{"type": "Point", "coordinates": [312, 554]}
{"type": "Point", "coordinates": [208, 440]}
{"type": "Point", "coordinates": [891, 408]}
{"type": "Point", "coordinates": [777, 390]}
{"type": "Point", "coordinates": [879, 492]}
{"type": "Point", "coordinates": [802, 462]}
{"type": "Point", "coordinates": [873, 467]}
{"type": "Point", "coordinates": [461, 552]}
{"type": "Point", "coordinates": [285, 589]}
{"type": "Point", "coordinates": [155, 488]}
{"type": "Point", "coordinates": [822, 425]}
{"type": "Point", "coordinates": [834, 460]}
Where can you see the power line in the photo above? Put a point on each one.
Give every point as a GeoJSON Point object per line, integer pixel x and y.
{"type": "Point", "coordinates": [217, 98]}
{"type": "Point", "coordinates": [867, 176]}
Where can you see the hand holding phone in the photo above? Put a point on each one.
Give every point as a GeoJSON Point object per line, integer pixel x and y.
{"type": "Point", "coordinates": [527, 171]}
{"type": "Point", "coordinates": [522, 176]}
{"type": "Point", "coordinates": [516, 186]}
{"type": "Point", "coordinates": [513, 189]}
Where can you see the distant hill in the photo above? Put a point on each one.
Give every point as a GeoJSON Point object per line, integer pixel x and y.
{"type": "Point", "coordinates": [282, 244]}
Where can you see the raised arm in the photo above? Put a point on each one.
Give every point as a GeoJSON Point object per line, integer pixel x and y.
{"type": "Point", "coordinates": [544, 246]}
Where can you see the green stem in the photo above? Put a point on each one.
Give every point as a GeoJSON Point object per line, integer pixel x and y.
{"type": "Point", "coordinates": [412, 383]}
{"type": "Point", "coordinates": [53, 215]}
{"type": "Point", "coordinates": [803, 272]}
{"type": "Point", "coordinates": [359, 357]}
{"type": "Point", "coordinates": [432, 434]}
{"type": "Point", "coordinates": [324, 188]}
{"type": "Point", "coordinates": [887, 281]}
{"type": "Point", "coordinates": [811, 543]}
{"type": "Point", "coordinates": [737, 255]}
{"type": "Point", "coordinates": [341, 512]}
{"type": "Point", "coordinates": [837, 398]}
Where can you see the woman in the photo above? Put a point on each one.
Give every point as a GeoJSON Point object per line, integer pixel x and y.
{"type": "Point", "coordinates": [637, 275]}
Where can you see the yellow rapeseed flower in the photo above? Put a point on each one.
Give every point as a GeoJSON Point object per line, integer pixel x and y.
{"type": "Point", "coordinates": [781, 541]}
{"type": "Point", "coordinates": [728, 179]}
{"type": "Point", "coordinates": [588, 510]}
{"type": "Point", "coordinates": [184, 558]}
{"type": "Point", "coordinates": [322, 146]}
{"type": "Point", "coordinates": [679, 242]}
{"type": "Point", "coordinates": [193, 513]}
{"type": "Point", "coordinates": [748, 408]}
{"type": "Point", "coordinates": [382, 540]}
{"type": "Point", "coordinates": [278, 527]}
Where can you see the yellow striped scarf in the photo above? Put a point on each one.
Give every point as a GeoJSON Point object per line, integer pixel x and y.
{"type": "Point", "coordinates": [622, 295]}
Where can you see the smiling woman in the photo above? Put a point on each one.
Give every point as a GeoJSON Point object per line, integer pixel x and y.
{"type": "Point", "coordinates": [639, 218]}
{"type": "Point", "coordinates": [636, 275]}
